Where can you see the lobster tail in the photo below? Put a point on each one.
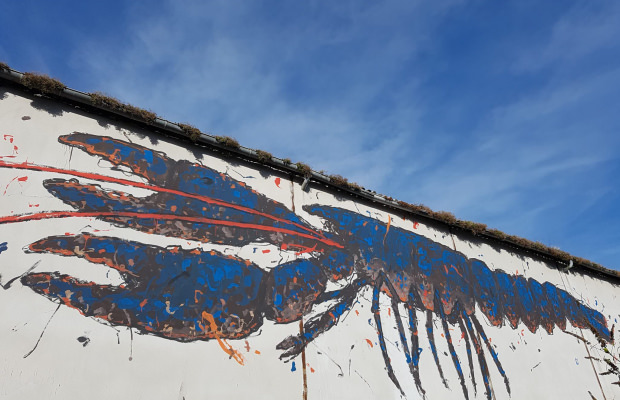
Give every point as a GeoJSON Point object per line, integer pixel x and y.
{"type": "Point", "coordinates": [518, 299]}
{"type": "Point", "coordinates": [582, 316]}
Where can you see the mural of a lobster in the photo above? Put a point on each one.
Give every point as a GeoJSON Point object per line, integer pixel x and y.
{"type": "Point", "coordinates": [189, 295]}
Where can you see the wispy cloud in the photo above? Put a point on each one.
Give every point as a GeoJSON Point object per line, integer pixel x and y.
{"type": "Point", "coordinates": [325, 87]}
{"type": "Point", "coordinates": [585, 29]}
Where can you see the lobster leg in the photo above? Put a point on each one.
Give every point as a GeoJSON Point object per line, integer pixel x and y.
{"type": "Point", "coordinates": [455, 358]}
{"type": "Point", "coordinates": [415, 344]}
{"type": "Point", "coordinates": [481, 359]}
{"type": "Point", "coordinates": [492, 351]}
{"type": "Point", "coordinates": [431, 340]}
{"type": "Point", "coordinates": [469, 355]}
{"type": "Point", "coordinates": [413, 367]}
{"type": "Point", "coordinates": [293, 345]}
{"type": "Point", "coordinates": [386, 358]}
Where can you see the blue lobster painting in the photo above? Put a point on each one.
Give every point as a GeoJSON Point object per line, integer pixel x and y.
{"type": "Point", "coordinates": [189, 295]}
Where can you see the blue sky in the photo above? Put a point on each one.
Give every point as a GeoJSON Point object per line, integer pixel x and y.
{"type": "Point", "coordinates": [502, 112]}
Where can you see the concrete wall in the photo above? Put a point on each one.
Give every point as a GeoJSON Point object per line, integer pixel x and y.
{"type": "Point", "coordinates": [137, 267]}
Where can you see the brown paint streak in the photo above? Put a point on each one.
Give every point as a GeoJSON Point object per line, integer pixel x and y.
{"type": "Point", "coordinates": [292, 195]}
{"type": "Point", "coordinates": [592, 363]}
{"type": "Point", "coordinates": [303, 361]}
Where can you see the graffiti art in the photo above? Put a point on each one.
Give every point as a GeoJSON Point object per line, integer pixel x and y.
{"type": "Point", "coordinates": [193, 294]}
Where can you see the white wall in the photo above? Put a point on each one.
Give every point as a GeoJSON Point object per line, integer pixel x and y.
{"type": "Point", "coordinates": [113, 361]}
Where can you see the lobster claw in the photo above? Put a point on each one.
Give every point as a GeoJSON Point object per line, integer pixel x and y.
{"type": "Point", "coordinates": [293, 345]}
{"type": "Point", "coordinates": [190, 201]}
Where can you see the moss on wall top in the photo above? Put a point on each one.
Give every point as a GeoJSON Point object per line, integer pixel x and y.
{"type": "Point", "coordinates": [110, 103]}
{"type": "Point", "coordinates": [42, 83]}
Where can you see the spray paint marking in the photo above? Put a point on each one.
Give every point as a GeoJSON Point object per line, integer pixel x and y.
{"type": "Point", "coordinates": [9, 138]}
{"type": "Point", "coordinates": [18, 178]}
{"type": "Point", "coordinates": [42, 332]}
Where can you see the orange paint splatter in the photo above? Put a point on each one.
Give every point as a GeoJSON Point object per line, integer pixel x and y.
{"type": "Point", "coordinates": [357, 312]}
{"type": "Point", "coordinates": [277, 182]}
{"type": "Point", "coordinates": [228, 349]}
{"type": "Point", "coordinates": [456, 270]}
{"type": "Point", "coordinates": [389, 311]}
{"type": "Point", "coordinates": [369, 343]}
{"type": "Point", "coordinates": [387, 229]}
{"type": "Point", "coordinates": [266, 251]}
{"type": "Point", "coordinates": [306, 250]}
{"type": "Point", "coordinates": [312, 370]}
{"type": "Point", "coordinates": [415, 225]}
{"type": "Point", "coordinates": [256, 352]}
{"type": "Point", "coordinates": [143, 303]}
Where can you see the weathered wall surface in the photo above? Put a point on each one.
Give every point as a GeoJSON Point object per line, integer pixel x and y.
{"type": "Point", "coordinates": [133, 269]}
